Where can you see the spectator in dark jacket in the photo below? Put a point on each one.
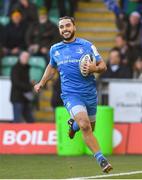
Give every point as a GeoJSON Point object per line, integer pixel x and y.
{"type": "Point", "coordinates": [134, 29]}
{"type": "Point", "coordinates": [42, 35]}
{"type": "Point", "coordinates": [1, 34]}
{"type": "Point", "coordinates": [14, 34]}
{"type": "Point", "coordinates": [56, 99]}
{"type": "Point", "coordinates": [128, 53]}
{"type": "Point", "coordinates": [114, 67]}
{"type": "Point", "coordinates": [131, 28]}
{"type": "Point", "coordinates": [28, 9]}
{"type": "Point", "coordinates": [1, 43]}
{"type": "Point", "coordinates": [21, 91]}
{"type": "Point", "coordinates": [137, 69]}
{"type": "Point", "coordinates": [63, 10]}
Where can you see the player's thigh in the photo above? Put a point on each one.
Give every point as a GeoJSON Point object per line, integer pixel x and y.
{"type": "Point", "coordinates": [77, 109]}
{"type": "Point", "coordinates": [73, 104]}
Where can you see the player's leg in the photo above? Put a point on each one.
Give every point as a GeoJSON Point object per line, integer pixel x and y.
{"type": "Point", "coordinates": [83, 121]}
{"type": "Point", "coordinates": [73, 127]}
{"type": "Point", "coordinates": [103, 162]}
{"type": "Point", "coordinates": [73, 103]}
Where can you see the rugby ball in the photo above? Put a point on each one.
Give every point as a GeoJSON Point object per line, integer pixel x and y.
{"type": "Point", "coordinates": [84, 62]}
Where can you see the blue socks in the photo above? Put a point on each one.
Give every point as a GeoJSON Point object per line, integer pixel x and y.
{"type": "Point", "coordinates": [99, 156]}
{"type": "Point", "coordinates": [75, 126]}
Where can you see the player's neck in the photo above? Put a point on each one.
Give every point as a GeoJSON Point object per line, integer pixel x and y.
{"type": "Point", "coordinates": [69, 41]}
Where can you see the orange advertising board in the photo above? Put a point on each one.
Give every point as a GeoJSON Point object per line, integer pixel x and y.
{"type": "Point", "coordinates": [120, 138]}
{"type": "Point", "coordinates": [135, 139]}
{"type": "Point", "coordinates": [40, 138]}
{"type": "Point", "coordinates": [28, 138]}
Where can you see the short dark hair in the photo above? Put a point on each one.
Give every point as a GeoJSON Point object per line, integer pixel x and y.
{"type": "Point", "coordinates": [115, 49]}
{"type": "Point", "coordinates": [68, 17]}
{"type": "Point", "coordinates": [122, 36]}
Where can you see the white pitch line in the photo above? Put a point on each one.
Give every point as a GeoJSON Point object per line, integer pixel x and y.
{"type": "Point", "coordinates": [107, 175]}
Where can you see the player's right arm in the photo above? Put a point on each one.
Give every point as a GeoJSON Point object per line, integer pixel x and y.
{"type": "Point", "coordinates": [48, 75]}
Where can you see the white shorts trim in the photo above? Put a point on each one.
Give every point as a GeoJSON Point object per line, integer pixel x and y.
{"type": "Point", "coordinates": [92, 118]}
{"type": "Point", "coordinates": [76, 109]}
{"type": "Point", "coordinates": [79, 108]}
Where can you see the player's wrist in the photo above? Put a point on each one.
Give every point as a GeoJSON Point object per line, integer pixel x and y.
{"type": "Point", "coordinates": [92, 68]}
{"type": "Point", "coordinates": [97, 69]}
{"type": "Point", "coordinates": [41, 84]}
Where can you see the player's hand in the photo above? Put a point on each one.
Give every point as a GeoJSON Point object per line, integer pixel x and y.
{"type": "Point", "coordinates": [37, 87]}
{"type": "Point", "coordinates": [89, 67]}
{"type": "Point", "coordinates": [92, 67]}
{"type": "Point", "coordinates": [85, 68]}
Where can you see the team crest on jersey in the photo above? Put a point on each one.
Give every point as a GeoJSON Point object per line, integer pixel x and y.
{"type": "Point", "coordinates": [56, 53]}
{"type": "Point", "coordinates": [79, 51]}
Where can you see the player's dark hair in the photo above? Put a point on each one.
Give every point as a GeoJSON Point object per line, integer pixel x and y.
{"type": "Point", "coordinates": [122, 36]}
{"type": "Point", "coordinates": [115, 49]}
{"type": "Point", "coordinates": [68, 17]}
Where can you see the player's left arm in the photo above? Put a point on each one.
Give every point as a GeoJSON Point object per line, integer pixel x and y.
{"type": "Point", "coordinates": [98, 67]}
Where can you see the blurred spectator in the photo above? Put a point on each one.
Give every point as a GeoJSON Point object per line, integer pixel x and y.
{"type": "Point", "coordinates": [48, 5]}
{"type": "Point", "coordinates": [5, 6]}
{"type": "Point", "coordinates": [28, 9]}
{"type": "Point", "coordinates": [128, 54]}
{"type": "Point", "coordinates": [137, 68]}
{"type": "Point", "coordinates": [131, 28]}
{"type": "Point", "coordinates": [40, 36]}
{"type": "Point", "coordinates": [114, 67]}
{"type": "Point", "coordinates": [21, 92]}
{"type": "Point", "coordinates": [67, 11]}
{"type": "Point", "coordinates": [134, 29]}
{"type": "Point", "coordinates": [118, 8]}
{"type": "Point", "coordinates": [124, 6]}
{"type": "Point", "coordinates": [139, 8]}
{"type": "Point", "coordinates": [14, 34]}
{"type": "Point", "coordinates": [112, 5]}
{"type": "Point", "coordinates": [56, 99]}
{"type": "Point", "coordinates": [1, 34]}
{"type": "Point", "coordinates": [1, 43]}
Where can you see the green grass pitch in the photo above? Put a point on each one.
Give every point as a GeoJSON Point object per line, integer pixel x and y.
{"type": "Point", "coordinates": [59, 167]}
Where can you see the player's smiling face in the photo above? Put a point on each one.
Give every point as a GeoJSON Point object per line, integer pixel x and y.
{"type": "Point", "coordinates": [67, 29]}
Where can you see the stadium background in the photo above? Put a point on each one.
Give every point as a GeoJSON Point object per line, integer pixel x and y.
{"type": "Point", "coordinates": [96, 23]}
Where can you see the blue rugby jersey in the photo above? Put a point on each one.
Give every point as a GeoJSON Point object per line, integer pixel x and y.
{"type": "Point", "coordinates": [66, 57]}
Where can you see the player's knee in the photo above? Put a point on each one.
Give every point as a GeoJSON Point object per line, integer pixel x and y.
{"type": "Point", "coordinates": [85, 125]}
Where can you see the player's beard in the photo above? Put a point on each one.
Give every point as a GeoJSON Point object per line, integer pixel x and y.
{"type": "Point", "coordinates": [68, 38]}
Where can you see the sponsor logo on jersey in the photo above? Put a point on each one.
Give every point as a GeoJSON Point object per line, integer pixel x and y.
{"type": "Point", "coordinates": [56, 53]}
{"type": "Point", "coordinates": [79, 51]}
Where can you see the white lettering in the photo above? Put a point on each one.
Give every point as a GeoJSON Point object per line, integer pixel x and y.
{"type": "Point", "coordinates": [25, 137]}
{"type": "Point", "coordinates": [40, 140]}
{"type": "Point", "coordinates": [34, 135]}
{"type": "Point", "coordinates": [9, 137]}
{"type": "Point", "coordinates": [23, 141]}
{"type": "Point", "coordinates": [52, 138]}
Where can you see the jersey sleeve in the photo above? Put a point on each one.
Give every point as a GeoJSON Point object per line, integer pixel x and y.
{"type": "Point", "coordinates": [95, 53]}
{"type": "Point", "coordinates": [52, 59]}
